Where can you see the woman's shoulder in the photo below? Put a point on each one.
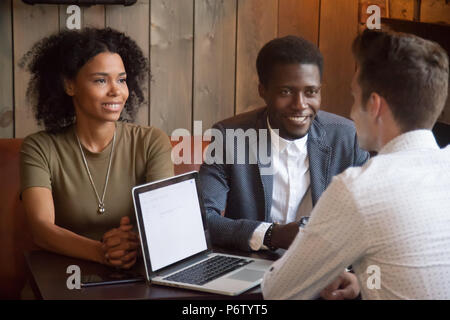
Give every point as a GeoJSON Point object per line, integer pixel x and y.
{"type": "Point", "coordinates": [45, 139]}
{"type": "Point", "coordinates": [37, 140]}
{"type": "Point", "coordinates": [38, 149]}
{"type": "Point", "coordinates": [37, 136]}
{"type": "Point", "coordinates": [150, 134]}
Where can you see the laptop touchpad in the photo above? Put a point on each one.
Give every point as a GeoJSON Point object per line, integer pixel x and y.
{"type": "Point", "coordinates": [247, 275]}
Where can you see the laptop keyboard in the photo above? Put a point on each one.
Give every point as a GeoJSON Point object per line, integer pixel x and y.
{"type": "Point", "coordinates": [208, 270]}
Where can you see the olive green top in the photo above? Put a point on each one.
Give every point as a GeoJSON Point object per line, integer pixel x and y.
{"type": "Point", "coordinates": [54, 161]}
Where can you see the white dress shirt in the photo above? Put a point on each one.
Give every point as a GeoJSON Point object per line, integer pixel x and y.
{"type": "Point", "coordinates": [291, 196]}
{"type": "Point", "coordinates": [392, 214]}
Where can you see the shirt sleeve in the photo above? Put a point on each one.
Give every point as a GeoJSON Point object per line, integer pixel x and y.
{"type": "Point", "coordinates": [333, 239]}
{"type": "Point", "coordinates": [159, 163]}
{"type": "Point", "coordinates": [35, 163]}
{"type": "Point", "coordinates": [257, 239]}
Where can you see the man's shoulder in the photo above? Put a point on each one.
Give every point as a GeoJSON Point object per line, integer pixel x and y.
{"type": "Point", "coordinates": [385, 169]}
{"type": "Point", "coordinates": [332, 127]}
{"type": "Point", "coordinates": [331, 121]}
{"type": "Point", "coordinates": [246, 120]}
{"type": "Point", "coordinates": [363, 179]}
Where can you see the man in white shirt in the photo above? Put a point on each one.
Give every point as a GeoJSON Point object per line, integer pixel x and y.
{"type": "Point", "coordinates": [390, 219]}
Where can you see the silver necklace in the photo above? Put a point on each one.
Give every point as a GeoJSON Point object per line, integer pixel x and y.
{"type": "Point", "coordinates": [101, 202]}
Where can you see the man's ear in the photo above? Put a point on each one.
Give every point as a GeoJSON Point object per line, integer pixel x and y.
{"type": "Point", "coordinates": [375, 105]}
{"type": "Point", "coordinates": [69, 87]}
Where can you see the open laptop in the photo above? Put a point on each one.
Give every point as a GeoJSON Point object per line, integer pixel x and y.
{"type": "Point", "coordinates": [175, 241]}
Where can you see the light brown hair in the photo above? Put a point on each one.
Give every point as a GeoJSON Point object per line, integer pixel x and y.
{"type": "Point", "coordinates": [409, 72]}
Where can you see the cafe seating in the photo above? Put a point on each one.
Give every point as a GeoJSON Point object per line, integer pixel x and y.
{"type": "Point", "coordinates": [15, 236]}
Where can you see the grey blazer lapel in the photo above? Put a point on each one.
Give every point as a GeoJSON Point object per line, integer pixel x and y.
{"type": "Point", "coordinates": [263, 166]}
{"type": "Point", "coordinates": [319, 154]}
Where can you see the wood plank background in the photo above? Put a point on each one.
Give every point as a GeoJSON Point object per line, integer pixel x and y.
{"type": "Point", "coordinates": [257, 24]}
{"type": "Point", "coordinates": [299, 17]}
{"type": "Point", "coordinates": [202, 53]}
{"type": "Point", "coordinates": [335, 45]}
{"type": "Point", "coordinates": [30, 24]}
{"type": "Point", "coordinates": [6, 73]}
{"type": "Point", "coordinates": [214, 60]}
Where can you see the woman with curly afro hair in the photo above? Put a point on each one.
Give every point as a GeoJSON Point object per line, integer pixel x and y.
{"type": "Point", "coordinates": [76, 176]}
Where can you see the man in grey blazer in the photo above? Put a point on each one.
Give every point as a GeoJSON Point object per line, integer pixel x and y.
{"type": "Point", "coordinates": [264, 210]}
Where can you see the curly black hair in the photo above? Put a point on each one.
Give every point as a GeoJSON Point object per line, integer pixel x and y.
{"type": "Point", "coordinates": [286, 50]}
{"type": "Point", "coordinates": [61, 55]}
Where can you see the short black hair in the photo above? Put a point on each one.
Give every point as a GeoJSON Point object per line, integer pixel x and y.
{"type": "Point", "coordinates": [61, 55]}
{"type": "Point", "coordinates": [286, 50]}
{"type": "Point", "coordinates": [409, 72]}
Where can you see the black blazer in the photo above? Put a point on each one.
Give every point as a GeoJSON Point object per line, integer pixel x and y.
{"type": "Point", "coordinates": [246, 195]}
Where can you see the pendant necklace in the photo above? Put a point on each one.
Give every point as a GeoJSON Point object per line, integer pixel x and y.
{"type": "Point", "coordinates": [101, 203]}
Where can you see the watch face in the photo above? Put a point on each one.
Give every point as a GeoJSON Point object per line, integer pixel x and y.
{"type": "Point", "coordinates": [304, 221]}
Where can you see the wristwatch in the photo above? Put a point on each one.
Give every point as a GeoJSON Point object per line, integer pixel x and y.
{"type": "Point", "coordinates": [303, 221]}
{"type": "Point", "coordinates": [268, 238]}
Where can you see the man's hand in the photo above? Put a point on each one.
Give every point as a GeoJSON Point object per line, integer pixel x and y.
{"type": "Point", "coordinates": [345, 287]}
{"type": "Point", "coordinates": [284, 234]}
{"type": "Point", "coordinates": [120, 245]}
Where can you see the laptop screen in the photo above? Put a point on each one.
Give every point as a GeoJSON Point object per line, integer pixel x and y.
{"type": "Point", "coordinates": [173, 223]}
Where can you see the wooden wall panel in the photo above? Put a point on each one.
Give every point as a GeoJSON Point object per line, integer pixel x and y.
{"type": "Point", "coordinates": [401, 9]}
{"type": "Point", "coordinates": [207, 78]}
{"type": "Point", "coordinates": [62, 12]}
{"type": "Point", "coordinates": [6, 72]}
{"type": "Point", "coordinates": [438, 11]}
{"type": "Point", "coordinates": [91, 16]}
{"type": "Point", "coordinates": [94, 16]}
{"type": "Point", "coordinates": [257, 24]}
{"type": "Point", "coordinates": [435, 11]}
{"type": "Point", "coordinates": [120, 18]}
{"type": "Point", "coordinates": [300, 18]}
{"type": "Point", "coordinates": [214, 60]}
{"type": "Point", "coordinates": [364, 4]}
{"type": "Point", "coordinates": [171, 64]}
{"type": "Point", "coordinates": [30, 23]}
{"type": "Point", "coordinates": [338, 28]}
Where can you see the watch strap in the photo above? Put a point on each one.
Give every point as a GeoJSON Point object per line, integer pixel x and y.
{"type": "Point", "coordinates": [268, 238]}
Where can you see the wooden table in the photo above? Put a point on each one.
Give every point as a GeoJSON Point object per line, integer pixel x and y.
{"type": "Point", "coordinates": [49, 277]}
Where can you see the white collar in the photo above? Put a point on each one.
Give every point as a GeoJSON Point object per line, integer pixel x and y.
{"type": "Point", "coordinates": [416, 139]}
{"type": "Point", "coordinates": [281, 144]}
